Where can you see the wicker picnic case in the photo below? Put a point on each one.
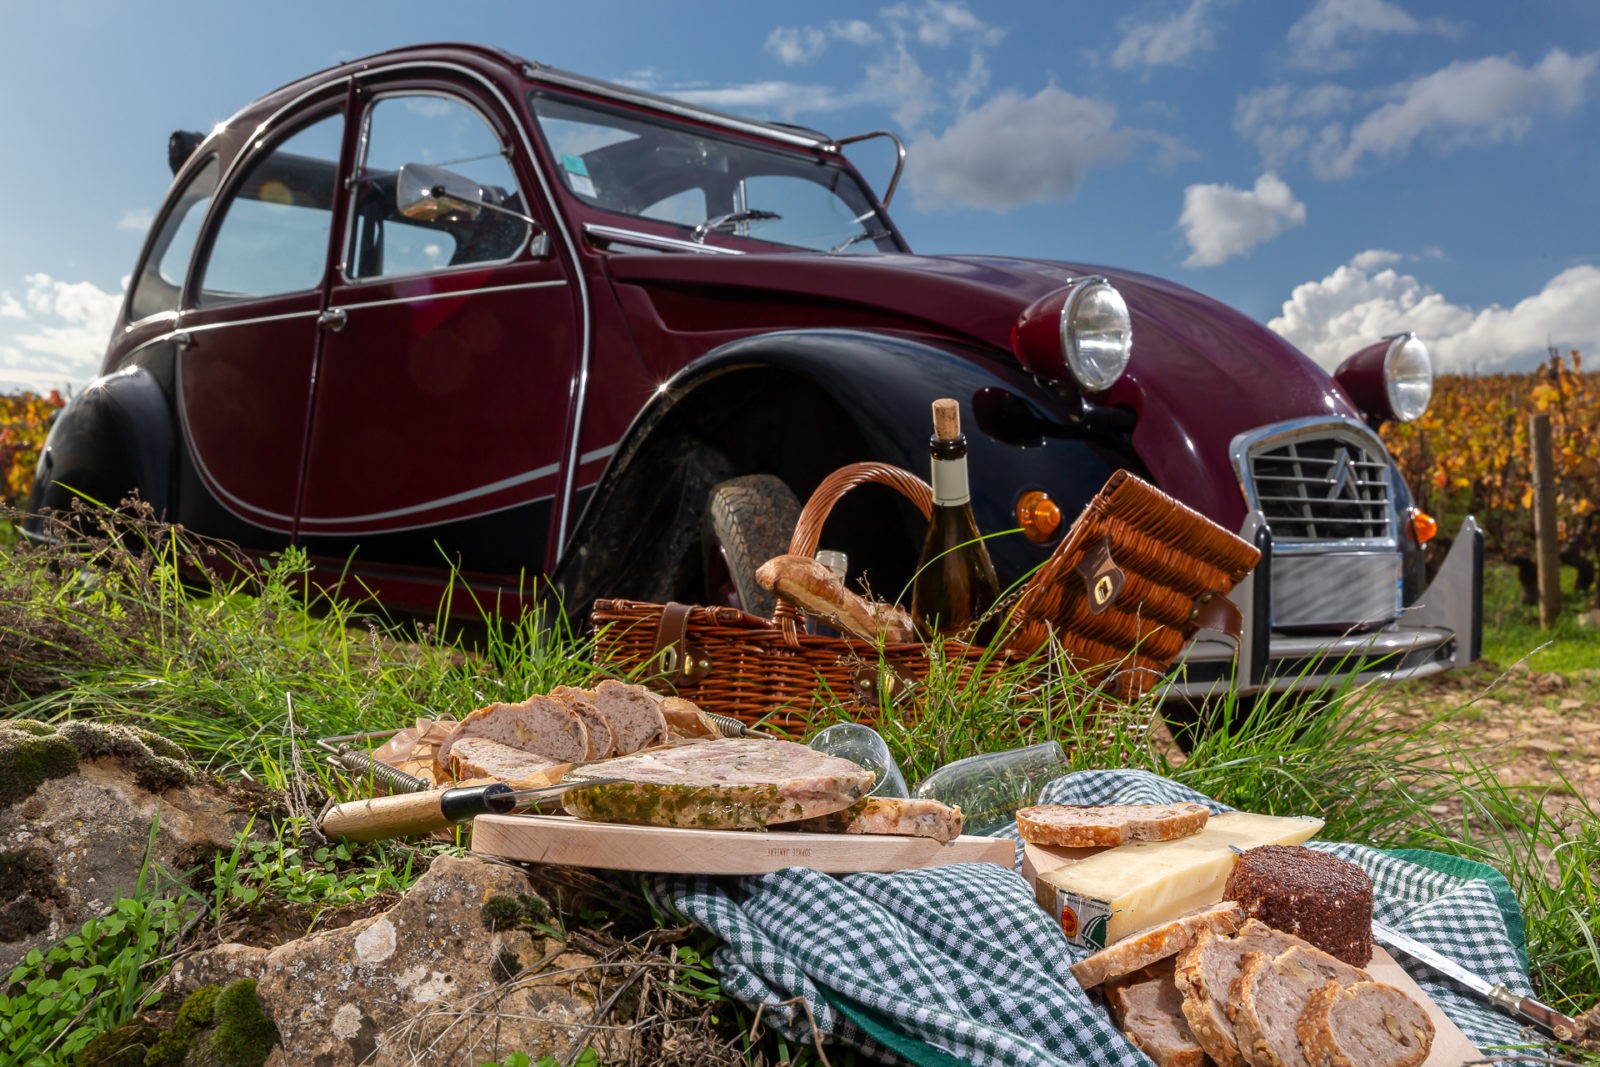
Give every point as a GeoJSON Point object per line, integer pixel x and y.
{"type": "Point", "coordinates": [1132, 581]}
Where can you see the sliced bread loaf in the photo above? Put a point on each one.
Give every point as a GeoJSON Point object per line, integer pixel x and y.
{"type": "Point", "coordinates": [1366, 1024]}
{"type": "Point", "coordinates": [1271, 993]}
{"type": "Point", "coordinates": [634, 713]}
{"type": "Point", "coordinates": [1149, 1009]}
{"type": "Point", "coordinates": [601, 733]}
{"type": "Point", "coordinates": [1205, 974]}
{"type": "Point", "coordinates": [479, 757]}
{"type": "Point", "coordinates": [686, 722]}
{"type": "Point", "coordinates": [1105, 826]}
{"type": "Point", "coordinates": [1144, 947]}
{"type": "Point", "coordinates": [540, 725]}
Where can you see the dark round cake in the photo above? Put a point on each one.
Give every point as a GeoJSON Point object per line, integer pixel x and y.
{"type": "Point", "coordinates": [1313, 895]}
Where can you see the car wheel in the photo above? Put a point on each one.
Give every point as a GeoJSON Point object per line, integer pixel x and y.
{"type": "Point", "coordinates": [748, 521]}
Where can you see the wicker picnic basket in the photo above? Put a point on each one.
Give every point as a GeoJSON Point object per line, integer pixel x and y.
{"type": "Point", "coordinates": [1132, 581]}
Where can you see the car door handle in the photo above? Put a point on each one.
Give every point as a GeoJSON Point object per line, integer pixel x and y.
{"type": "Point", "coordinates": [333, 320]}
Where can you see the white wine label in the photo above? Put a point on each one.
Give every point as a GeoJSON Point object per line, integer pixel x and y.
{"type": "Point", "coordinates": [950, 482]}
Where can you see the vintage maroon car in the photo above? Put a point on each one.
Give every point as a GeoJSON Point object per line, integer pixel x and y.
{"type": "Point", "coordinates": [443, 311]}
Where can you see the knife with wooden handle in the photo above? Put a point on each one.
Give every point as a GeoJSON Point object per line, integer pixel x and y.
{"type": "Point", "coordinates": [404, 814]}
{"type": "Point", "coordinates": [1562, 1027]}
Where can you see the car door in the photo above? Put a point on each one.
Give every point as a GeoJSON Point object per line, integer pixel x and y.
{"type": "Point", "coordinates": [250, 327]}
{"type": "Point", "coordinates": [442, 398]}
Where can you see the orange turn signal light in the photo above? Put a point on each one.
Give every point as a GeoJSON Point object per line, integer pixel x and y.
{"type": "Point", "coordinates": [1038, 515]}
{"type": "Point", "coordinates": [1423, 526]}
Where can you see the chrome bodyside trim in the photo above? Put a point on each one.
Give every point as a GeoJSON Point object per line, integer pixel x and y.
{"type": "Point", "coordinates": [449, 294]}
{"type": "Point", "coordinates": [651, 240]}
{"type": "Point", "coordinates": [599, 453]}
{"type": "Point", "coordinates": [208, 327]}
{"type": "Point", "coordinates": [455, 498]}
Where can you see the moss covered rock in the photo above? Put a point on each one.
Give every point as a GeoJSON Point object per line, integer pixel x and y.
{"type": "Point", "coordinates": [31, 753]}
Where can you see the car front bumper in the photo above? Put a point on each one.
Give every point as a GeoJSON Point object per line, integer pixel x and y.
{"type": "Point", "coordinates": [1441, 631]}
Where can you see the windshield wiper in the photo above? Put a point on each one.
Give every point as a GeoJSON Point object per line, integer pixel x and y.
{"type": "Point", "coordinates": [728, 221]}
{"type": "Point", "coordinates": [864, 235]}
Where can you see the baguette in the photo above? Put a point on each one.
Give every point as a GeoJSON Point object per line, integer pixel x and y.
{"type": "Point", "coordinates": [1106, 826]}
{"type": "Point", "coordinates": [809, 585]}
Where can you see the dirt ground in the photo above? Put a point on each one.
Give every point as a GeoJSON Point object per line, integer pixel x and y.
{"type": "Point", "coordinates": [1540, 730]}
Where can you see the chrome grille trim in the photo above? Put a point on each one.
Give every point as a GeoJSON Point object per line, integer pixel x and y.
{"type": "Point", "coordinates": [1320, 484]}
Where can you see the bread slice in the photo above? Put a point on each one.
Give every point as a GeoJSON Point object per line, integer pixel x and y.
{"type": "Point", "coordinates": [1149, 1009]}
{"type": "Point", "coordinates": [1366, 1024]}
{"type": "Point", "coordinates": [479, 757]}
{"type": "Point", "coordinates": [540, 725]}
{"type": "Point", "coordinates": [601, 734]}
{"type": "Point", "coordinates": [1106, 826]}
{"type": "Point", "coordinates": [1270, 994]}
{"type": "Point", "coordinates": [1162, 941]}
{"type": "Point", "coordinates": [686, 722]}
{"type": "Point", "coordinates": [889, 815]}
{"type": "Point", "coordinates": [634, 713]}
{"type": "Point", "coordinates": [1205, 973]}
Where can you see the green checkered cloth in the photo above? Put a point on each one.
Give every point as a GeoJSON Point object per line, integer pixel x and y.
{"type": "Point", "coordinates": [959, 965]}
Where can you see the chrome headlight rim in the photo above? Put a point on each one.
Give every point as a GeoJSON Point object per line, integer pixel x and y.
{"type": "Point", "coordinates": [1408, 377]}
{"type": "Point", "coordinates": [1090, 369]}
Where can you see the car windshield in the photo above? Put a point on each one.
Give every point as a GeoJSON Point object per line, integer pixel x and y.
{"type": "Point", "coordinates": [709, 185]}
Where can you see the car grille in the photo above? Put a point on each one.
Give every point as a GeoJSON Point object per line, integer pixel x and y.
{"type": "Point", "coordinates": [1322, 488]}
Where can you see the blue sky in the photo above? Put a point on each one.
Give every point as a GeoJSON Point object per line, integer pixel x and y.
{"type": "Point", "coordinates": [1338, 169]}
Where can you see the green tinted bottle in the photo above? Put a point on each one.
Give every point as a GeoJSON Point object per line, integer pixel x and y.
{"type": "Point", "coordinates": [955, 582]}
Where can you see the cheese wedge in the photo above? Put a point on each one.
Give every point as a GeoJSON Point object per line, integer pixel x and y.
{"type": "Point", "coordinates": [1104, 897]}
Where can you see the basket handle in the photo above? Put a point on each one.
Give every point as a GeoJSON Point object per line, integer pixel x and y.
{"type": "Point", "coordinates": [808, 530]}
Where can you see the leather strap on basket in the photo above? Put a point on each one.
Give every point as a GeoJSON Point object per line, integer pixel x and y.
{"type": "Point", "coordinates": [1101, 576]}
{"type": "Point", "coordinates": [1214, 611]}
{"type": "Point", "coordinates": [672, 654]}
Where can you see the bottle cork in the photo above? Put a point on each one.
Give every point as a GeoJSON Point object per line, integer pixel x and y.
{"type": "Point", "coordinates": [946, 419]}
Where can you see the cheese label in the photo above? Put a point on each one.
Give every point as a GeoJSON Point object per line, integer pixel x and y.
{"type": "Point", "coordinates": [1083, 919]}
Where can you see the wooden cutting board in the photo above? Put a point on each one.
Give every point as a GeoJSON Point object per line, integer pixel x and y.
{"type": "Point", "coordinates": [560, 839]}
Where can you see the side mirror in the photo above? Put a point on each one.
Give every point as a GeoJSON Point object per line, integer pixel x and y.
{"type": "Point", "coordinates": [431, 193]}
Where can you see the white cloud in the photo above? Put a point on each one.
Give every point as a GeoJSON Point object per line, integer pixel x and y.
{"type": "Point", "coordinates": [1221, 222]}
{"type": "Point", "coordinates": [940, 24]}
{"type": "Point", "coordinates": [55, 333]}
{"type": "Point", "coordinates": [1167, 41]}
{"type": "Point", "coordinates": [1471, 102]}
{"type": "Point", "coordinates": [1479, 101]}
{"type": "Point", "coordinates": [854, 31]}
{"type": "Point", "coordinates": [138, 220]}
{"type": "Point", "coordinates": [1358, 304]}
{"type": "Point", "coordinates": [794, 46]}
{"type": "Point", "coordinates": [1330, 35]}
{"type": "Point", "coordinates": [1015, 150]}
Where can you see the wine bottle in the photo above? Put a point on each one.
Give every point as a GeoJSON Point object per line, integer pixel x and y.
{"type": "Point", "coordinates": [955, 583]}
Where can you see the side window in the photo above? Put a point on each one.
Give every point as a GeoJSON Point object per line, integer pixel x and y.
{"type": "Point", "coordinates": [441, 132]}
{"type": "Point", "coordinates": [161, 278]}
{"type": "Point", "coordinates": [275, 227]}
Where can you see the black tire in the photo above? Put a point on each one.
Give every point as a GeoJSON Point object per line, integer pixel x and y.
{"type": "Point", "coordinates": [748, 521]}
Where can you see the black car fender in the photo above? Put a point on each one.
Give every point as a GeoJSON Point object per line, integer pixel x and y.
{"type": "Point", "coordinates": [113, 439]}
{"type": "Point", "coordinates": [801, 404]}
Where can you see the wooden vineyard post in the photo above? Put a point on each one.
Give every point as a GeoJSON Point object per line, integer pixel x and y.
{"type": "Point", "coordinates": [1544, 520]}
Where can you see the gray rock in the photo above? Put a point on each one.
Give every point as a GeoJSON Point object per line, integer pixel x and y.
{"type": "Point", "coordinates": [76, 810]}
{"type": "Point", "coordinates": [428, 982]}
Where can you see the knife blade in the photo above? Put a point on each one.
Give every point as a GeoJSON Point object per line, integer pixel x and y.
{"type": "Point", "coordinates": [1560, 1026]}
{"type": "Point", "coordinates": [377, 818]}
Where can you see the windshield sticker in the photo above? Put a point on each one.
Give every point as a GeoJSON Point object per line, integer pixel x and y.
{"type": "Point", "coordinates": [574, 164]}
{"type": "Point", "coordinates": [581, 184]}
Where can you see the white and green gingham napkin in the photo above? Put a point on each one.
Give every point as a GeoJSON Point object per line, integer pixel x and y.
{"type": "Point", "coordinates": [959, 965]}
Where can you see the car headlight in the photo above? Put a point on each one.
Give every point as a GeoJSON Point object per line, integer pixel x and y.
{"type": "Point", "coordinates": [1082, 331]}
{"type": "Point", "coordinates": [1392, 379]}
{"type": "Point", "coordinates": [1096, 334]}
{"type": "Point", "coordinates": [1408, 377]}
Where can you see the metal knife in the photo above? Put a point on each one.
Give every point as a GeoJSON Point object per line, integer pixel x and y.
{"type": "Point", "coordinates": [1542, 1015]}
{"type": "Point", "coordinates": [418, 813]}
